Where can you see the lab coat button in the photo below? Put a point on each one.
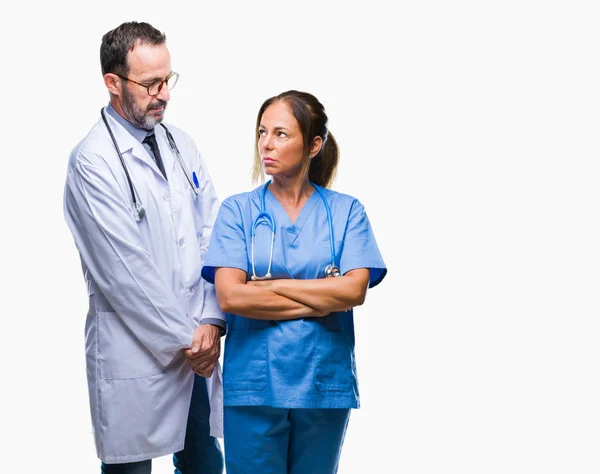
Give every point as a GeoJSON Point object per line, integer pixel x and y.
{"type": "Point", "coordinates": [182, 242]}
{"type": "Point", "coordinates": [166, 196]}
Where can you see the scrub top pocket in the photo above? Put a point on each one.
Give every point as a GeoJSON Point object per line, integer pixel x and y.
{"type": "Point", "coordinates": [335, 368]}
{"type": "Point", "coordinates": [245, 361]}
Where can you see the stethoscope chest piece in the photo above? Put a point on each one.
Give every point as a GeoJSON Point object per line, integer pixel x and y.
{"type": "Point", "coordinates": [331, 271]}
{"type": "Point", "coordinates": [140, 212]}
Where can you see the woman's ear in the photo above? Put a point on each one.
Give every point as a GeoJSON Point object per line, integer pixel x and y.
{"type": "Point", "coordinates": [316, 146]}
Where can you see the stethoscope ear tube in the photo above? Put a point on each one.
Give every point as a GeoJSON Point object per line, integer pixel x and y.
{"type": "Point", "coordinates": [140, 211]}
{"type": "Point", "coordinates": [262, 217]}
{"type": "Point", "coordinates": [331, 271]}
{"type": "Point", "coordinates": [193, 182]}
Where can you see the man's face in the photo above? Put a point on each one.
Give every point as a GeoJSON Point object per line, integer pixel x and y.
{"type": "Point", "coordinates": [147, 63]}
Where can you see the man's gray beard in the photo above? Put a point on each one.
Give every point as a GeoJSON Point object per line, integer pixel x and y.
{"type": "Point", "coordinates": [136, 115]}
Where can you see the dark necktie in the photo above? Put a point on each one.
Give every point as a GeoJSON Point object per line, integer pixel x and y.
{"type": "Point", "coordinates": [151, 140]}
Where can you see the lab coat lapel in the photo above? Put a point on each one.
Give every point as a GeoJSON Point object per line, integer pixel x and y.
{"type": "Point", "coordinates": [168, 155]}
{"type": "Point", "coordinates": [140, 154]}
{"type": "Point", "coordinates": [129, 144]}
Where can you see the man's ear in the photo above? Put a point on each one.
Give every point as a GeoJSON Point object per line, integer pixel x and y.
{"type": "Point", "coordinates": [112, 83]}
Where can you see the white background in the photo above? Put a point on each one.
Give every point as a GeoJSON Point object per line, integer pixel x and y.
{"type": "Point", "coordinates": [469, 129]}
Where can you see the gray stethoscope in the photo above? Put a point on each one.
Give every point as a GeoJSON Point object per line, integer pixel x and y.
{"type": "Point", "coordinates": [331, 270]}
{"type": "Point", "coordinates": [192, 179]}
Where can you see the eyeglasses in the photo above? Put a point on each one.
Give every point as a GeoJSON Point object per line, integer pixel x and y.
{"type": "Point", "coordinates": [155, 87]}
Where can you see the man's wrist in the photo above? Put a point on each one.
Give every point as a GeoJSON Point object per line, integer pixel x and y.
{"type": "Point", "coordinates": [217, 323]}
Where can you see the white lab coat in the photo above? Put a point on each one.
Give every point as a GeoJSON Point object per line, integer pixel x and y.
{"type": "Point", "coordinates": [146, 295]}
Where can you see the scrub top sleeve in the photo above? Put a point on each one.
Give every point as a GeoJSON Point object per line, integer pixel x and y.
{"type": "Point", "coordinates": [360, 248]}
{"type": "Point", "coordinates": [227, 247]}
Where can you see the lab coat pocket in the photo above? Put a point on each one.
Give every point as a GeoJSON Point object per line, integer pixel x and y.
{"type": "Point", "coordinates": [199, 214]}
{"type": "Point", "coordinates": [334, 371]}
{"type": "Point", "coordinates": [121, 355]}
{"type": "Point", "coordinates": [245, 361]}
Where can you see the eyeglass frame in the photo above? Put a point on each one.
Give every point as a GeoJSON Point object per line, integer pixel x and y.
{"type": "Point", "coordinates": [147, 86]}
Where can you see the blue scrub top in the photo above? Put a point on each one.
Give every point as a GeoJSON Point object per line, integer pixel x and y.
{"type": "Point", "coordinates": [307, 362]}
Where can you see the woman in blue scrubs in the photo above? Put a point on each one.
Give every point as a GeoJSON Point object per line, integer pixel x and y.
{"type": "Point", "coordinates": [290, 261]}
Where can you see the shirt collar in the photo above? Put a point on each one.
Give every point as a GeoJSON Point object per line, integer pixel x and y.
{"type": "Point", "coordinates": [137, 133]}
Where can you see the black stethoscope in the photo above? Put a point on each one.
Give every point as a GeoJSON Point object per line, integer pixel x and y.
{"type": "Point", "coordinates": [192, 179]}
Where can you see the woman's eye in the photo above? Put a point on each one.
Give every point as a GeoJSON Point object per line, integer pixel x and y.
{"type": "Point", "coordinates": [282, 134]}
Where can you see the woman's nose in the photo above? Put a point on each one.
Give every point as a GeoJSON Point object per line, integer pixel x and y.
{"type": "Point", "coordinates": [267, 142]}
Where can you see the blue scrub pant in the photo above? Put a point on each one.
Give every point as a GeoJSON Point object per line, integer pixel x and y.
{"type": "Point", "coordinates": [201, 453]}
{"type": "Point", "coordinates": [269, 440]}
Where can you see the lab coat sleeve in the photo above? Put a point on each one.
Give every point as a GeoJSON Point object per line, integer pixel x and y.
{"type": "Point", "coordinates": [210, 206]}
{"type": "Point", "coordinates": [107, 237]}
{"type": "Point", "coordinates": [360, 248]}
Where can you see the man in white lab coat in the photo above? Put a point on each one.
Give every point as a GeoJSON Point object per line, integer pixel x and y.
{"type": "Point", "coordinates": [140, 204]}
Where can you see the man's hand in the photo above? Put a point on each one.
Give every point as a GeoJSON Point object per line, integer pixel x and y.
{"type": "Point", "coordinates": [206, 349]}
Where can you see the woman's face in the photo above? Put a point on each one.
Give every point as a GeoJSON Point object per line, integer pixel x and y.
{"type": "Point", "coordinates": [280, 141]}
